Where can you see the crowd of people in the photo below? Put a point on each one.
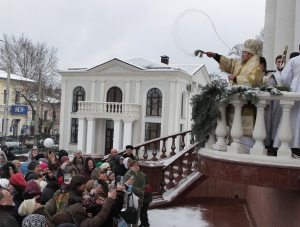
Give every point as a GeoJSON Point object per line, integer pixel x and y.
{"type": "Point", "coordinates": [52, 190]}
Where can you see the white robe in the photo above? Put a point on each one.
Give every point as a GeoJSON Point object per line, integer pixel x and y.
{"type": "Point", "coordinates": [291, 77]}
{"type": "Point", "coordinates": [278, 77]}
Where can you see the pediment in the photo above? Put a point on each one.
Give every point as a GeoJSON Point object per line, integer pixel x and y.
{"type": "Point", "coordinates": [114, 66]}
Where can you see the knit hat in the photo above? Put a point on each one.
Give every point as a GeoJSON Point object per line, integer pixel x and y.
{"type": "Point", "coordinates": [43, 166]}
{"type": "Point", "coordinates": [98, 164]}
{"type": "Point", "coordinates": [27, 207]}
{"type": "Point", "coordinates": [24, 168]}
{"type": "Point", "coordinates": [77, 151]}
{"type": "Point", "coordinates": [89, 185]}
{"type": "Point", "coordinates": [18, 179]}
{"type": "Point", "coordinates": [105, 165]}
{"type": "Point", "coordinates": [70, 169]}
{"type": "Point", "coordinates": [4, 183]}
{"type": "Point", "coordinates": [33, 176]}
{"type": "Point", "coordinates": [33, 188]}
{"type": "Point", "coordinates": [95, 173]}
{"type": "Point", "coordinates": [251, 46]}
{"type": "Point", "coordinates": [89, 201]}
{"type": "Point", "coordinates": [33, 164]}
{"type": "Point", "coordinates": [35, 220]}
{"type": "Point", "coordinates": [104, 186]}
{"type": "Point", "coordinates": [64, 158]}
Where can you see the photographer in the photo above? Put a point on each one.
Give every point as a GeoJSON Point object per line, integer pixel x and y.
{"type": "Point", "coordinates": [7, 151]}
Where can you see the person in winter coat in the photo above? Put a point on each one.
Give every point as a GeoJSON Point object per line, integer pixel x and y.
{"type": "Point", "coordinates": [35, 220]}
{"type": "Point", "coordinates": [24, 168]}
{"type": "Point", "coordinates": [88, 167]}
{"type": "Point", "coordinates": [33, 190]}
{"type": "Point", "coordinates": [62, 153]}
{"type": "Point", "coordinates": [119, 168]}
{"type": "Point", "coordinates": [34, 167]}
{"type": "Point", "coordinates": [6, 206]}
{"type": "Point", "coordinates": [49, 191]}
{"type": "Point", "coordinates": [18, 182]}
{"type": "Point", "coordinates": [126, 163]}
{"type": "Point", "coordinates": [146, 202]}
{"type": "Point", "coordinates": [31, 154]}
{"type": "Point", "coordinates": [72, 170]}
{"type": "Point", "coordinates": [64, 162]}
{"type": "Point", "coordinates": [3, 158]}
{"type": "Point", "coordinates": [78, 160]}
{"type": "Point", "coordinates": [8, 169]}
{"type": "Point", "coordinates": [17, 163]}
{"type": "Point", "coordinates": [77, 189]}
{"type": "Point", "coordinates": [76, 214]}
{"type": "Point", "coordinates": [128, 152]}
{"type": "Point", "coordinates": [54, 164]}
{"type": "Point", "coordinates": [139, 183]}
{"type": "Point", "coordinates": [7, 151]}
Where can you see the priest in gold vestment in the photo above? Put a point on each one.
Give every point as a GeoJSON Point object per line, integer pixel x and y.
{"type": "Point", "coordinates": [246, 71]}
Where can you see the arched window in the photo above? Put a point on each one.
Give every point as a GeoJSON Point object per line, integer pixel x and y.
{"type": "Point", "coordinates": [114, 94]}
{"type": "Point", "coordinates": [154, 102]}
{"type": "Point", "coordinates": [78, 95]}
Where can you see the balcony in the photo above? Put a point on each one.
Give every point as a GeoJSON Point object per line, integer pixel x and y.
{"type": "Point", "coordinates": [109, 109]}
{"type": "Point", "coordinates": [230, 162]}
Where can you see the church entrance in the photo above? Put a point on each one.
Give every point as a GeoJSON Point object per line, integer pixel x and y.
{"type": "Point", "coordinates": [109, 136]}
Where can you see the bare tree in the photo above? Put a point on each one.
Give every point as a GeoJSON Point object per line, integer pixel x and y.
{"type": "Point", "coordinates": [35, 61]}
{"type": "Point", "coordinates": [236, 51]}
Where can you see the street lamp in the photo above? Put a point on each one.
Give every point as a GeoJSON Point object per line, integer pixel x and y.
{"type": "Point", "coordinates": [6, 94]}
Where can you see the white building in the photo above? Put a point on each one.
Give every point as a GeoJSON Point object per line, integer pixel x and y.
{"type": "Point", "coordinates": [126, 102]}
{"type": "Point", "coordinates": [282, 28]}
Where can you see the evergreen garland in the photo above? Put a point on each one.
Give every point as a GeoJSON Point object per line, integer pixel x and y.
{"type": "Point", "coordinates": [205, 106]}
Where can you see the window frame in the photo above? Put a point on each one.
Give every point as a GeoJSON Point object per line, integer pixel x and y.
{"type": "Point", "coordinates": [150, 109]}
{"type": "Point", "coordinates": [76, 96]}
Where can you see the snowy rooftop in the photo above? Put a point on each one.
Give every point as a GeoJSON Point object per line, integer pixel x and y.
{"type": "Point", "coordinates": [3, 75]}
{"type": "Point", "coordinates": [144, 63]}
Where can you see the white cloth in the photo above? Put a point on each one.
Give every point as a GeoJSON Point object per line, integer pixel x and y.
{"type": "Point", "coordinates": [291, 77]}
{"type": "Point", "coordinates": [278, 77]}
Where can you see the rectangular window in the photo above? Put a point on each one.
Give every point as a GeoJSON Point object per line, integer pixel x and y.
{"type": "Point", "coordinates": [18, 97]}
{"type": "Point", "coordinates": [74, 130]}
{"type": "Point", "coordinates": [4, 97]}
{"type": "Point", "coordinates": [152, 131]}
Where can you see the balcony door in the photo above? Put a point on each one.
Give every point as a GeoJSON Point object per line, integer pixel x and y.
{"type": "Point", "coordinates": [109, 136]}
{"type": "Point", "coordinates": [114, 94]}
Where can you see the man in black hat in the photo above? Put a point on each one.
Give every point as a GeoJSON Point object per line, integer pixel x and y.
{"type": "Point", "coordinates": [128, 153]}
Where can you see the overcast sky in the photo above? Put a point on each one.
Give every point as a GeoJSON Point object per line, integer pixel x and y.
{"type": "Point", "coordinates": [89, 33]}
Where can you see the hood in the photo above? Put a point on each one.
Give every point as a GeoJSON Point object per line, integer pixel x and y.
{"type": "Point", "coordinates": [85, 164]}
{"type": "Point", "coordinates": [5, 170]}
{"type": "Point", "coordinates": [117, 159]}
{"type": "Point", "coordinates": [24, 168]}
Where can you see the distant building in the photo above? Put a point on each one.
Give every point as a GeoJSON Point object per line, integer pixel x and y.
{"type": "Point", "coordinates": [126, 102]}
{"type": "Point", "coordinates": [17, 122]}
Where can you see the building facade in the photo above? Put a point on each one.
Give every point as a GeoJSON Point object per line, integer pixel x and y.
{"type": "Point", "coordinates": [126, 102]}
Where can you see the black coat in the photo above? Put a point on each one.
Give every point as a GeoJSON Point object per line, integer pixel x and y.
{"type": "Point", "coordinates": [49, 191]}
{"type": "Point", "coordinates": [6, 217]}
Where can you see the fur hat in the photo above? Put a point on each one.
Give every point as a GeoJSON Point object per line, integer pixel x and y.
{"type": "Point", "coordinates": [251, 46]}
{"type": "Point", "coordinates": [105, 165]}
{"type": "Point", "coordinates": [95, 173]}
{"type": "Point", "coordinates": [129, 147]}
{"type": "Point", "coordinates": [35, 220]}
{"type": "Point", "coordinates": [4, 183]}
{"type": "Point", "coordinates": [32, 165]}
{"type": "Point", "coordinates": [64, 158]}
{"type": "Point", "coordinates": [43, 166]}
{"type": "Point", "coordinates": [27, 207]}
{"type": "Point", "coordinates": [89, 185]}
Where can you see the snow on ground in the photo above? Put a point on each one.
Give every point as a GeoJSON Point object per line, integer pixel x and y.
{"type": "Point", "coordinates": [173, 217]}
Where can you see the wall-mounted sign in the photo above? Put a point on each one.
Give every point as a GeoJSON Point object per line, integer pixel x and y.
{"type": "Point", "coordinates": [18, 109]}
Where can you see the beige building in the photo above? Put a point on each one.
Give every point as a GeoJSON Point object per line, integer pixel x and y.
{"type": "Point", "coordinates": [17, 118]}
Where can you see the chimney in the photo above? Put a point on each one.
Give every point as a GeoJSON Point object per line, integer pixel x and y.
{"type": "Point", "coordinates": [164, 59]}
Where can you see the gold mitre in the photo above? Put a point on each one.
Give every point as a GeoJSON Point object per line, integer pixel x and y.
{"type": "Point", "coordinates": [251, 46]}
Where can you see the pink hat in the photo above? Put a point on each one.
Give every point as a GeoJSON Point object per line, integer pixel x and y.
{"type": "Point", "coordinates": [43, 166]}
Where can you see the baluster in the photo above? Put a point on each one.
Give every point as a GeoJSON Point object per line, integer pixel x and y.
{"type": "Point", "coordinates": [182, 142]}
{"type": "Point", "coordinates": [173, 147]}
{"type": "Point", "coordinates": [189, 163]}
{"type": "Point", "coordinates": [162, 182]}
{"type": "Point", "coordinates": [285, 132]}
{"type": "Point", "coordinates": [137, 153]}
{"type": "Point", "coordinates": [145, 156]}
{"type": "Point", "coordinates": [220, 131]}
{"type": "Point", "coordinates": [196, 161]}
{"type": "Point", "coordinates": [163, 150]}
{"type": "Point", "coordinates": [154, 152]}
{"type": "Point", "coordinates": [180, 169]}
{"type": "Point", "coordinates": [237, 128]}
{"type": "Point", "coordinates": [171, 176]}
{"type": "Point", "coordinates": [259, 132]}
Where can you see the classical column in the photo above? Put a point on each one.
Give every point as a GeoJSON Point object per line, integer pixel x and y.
{"type": "Point", "coordinates": [127, 91]}
{"type": "Point", "coordinates": [90, 140]}
{"type": "Point", "coordinates": [127, 133]}
{"type": "Point", "coordinates": [64, 123]}
{"type": "Point", "coordinates": [117, 130]}
{"type": "Point", "coordinates": [137, 91]}
{"type": "Point", "coordinates": [102, 91]}
{"type": "Point", "coordinates": [285, 132]}
{"type": "Point", "coordinates": [221, 131]}
{"type": "Point", "coordinates": [81, 140]}
{"type": "Point", "coordinates": [93, 90]}
{"type": "Point", "coordinates": [259, 132]}
{"type": "Point", "coordinates": [237, 128]}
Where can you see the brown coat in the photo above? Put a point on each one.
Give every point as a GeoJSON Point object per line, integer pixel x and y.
{"type": "Point", "coordinates": [42, 211]}
{"type": "Point", "coordinates": [76, 214]}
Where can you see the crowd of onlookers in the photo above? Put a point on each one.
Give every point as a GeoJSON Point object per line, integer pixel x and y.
{"type": "Point", "coordinates": [51, 190]}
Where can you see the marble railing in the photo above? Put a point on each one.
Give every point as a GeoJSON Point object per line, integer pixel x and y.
{"type": "Point", "coordinates": [259, 132]}
{"type": "Point", "coordinates": [113, 108]}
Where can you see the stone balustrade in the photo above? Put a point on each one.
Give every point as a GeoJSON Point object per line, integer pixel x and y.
{"type": "Point", "coordinates": [108, 108]}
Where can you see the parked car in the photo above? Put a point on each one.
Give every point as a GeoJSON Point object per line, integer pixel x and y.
{"type": "Point", "coordinates": [10, 142]}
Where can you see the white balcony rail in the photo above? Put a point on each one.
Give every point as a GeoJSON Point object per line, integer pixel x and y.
{"type": "Point", "coordinates": [259, 132]}
{"type": "Point", "coordinates": [113, 108]}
